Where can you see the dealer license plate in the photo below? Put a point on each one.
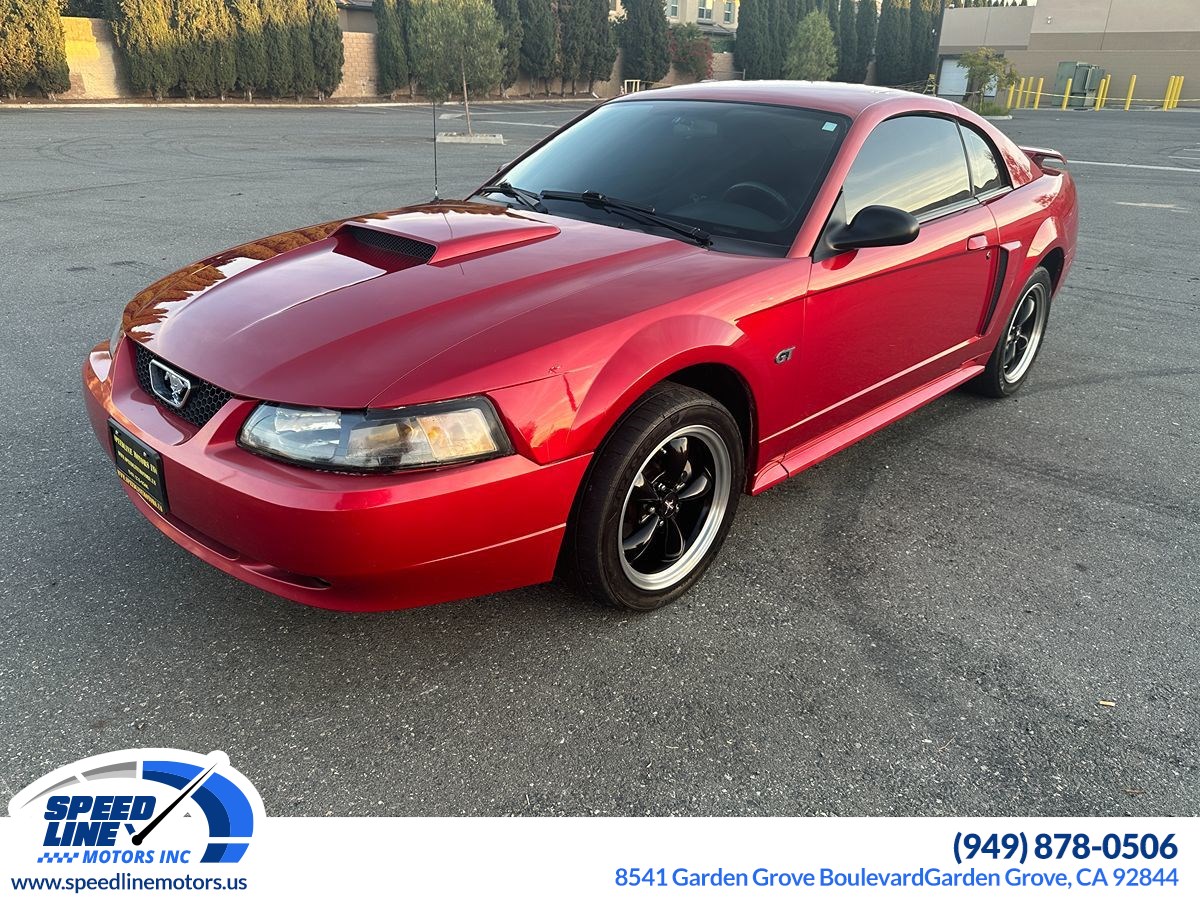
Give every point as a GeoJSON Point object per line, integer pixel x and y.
{"type": "Point", "coordinates": [139, 466]}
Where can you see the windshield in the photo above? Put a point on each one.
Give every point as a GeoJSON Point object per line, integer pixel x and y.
{"type": "Point", "coordinates": [745, 173]}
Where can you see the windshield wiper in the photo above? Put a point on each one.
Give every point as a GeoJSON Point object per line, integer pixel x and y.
{"type": "Point", "coordinates": [636, 211]}
{"type": "Point", "coordinates": [528, 198]}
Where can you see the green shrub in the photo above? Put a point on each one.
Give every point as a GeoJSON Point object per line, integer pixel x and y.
{"type": "Point", "coordinates": [812, 54]}
{"type": "Point", "coordinates": [691, 52]}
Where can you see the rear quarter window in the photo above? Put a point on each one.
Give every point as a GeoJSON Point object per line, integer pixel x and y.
{"type": "Point", "coordinates": [987, 173]}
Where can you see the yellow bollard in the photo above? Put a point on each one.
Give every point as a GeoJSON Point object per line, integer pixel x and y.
{"type": "Point", "coordinates": [1178, 91]}
{"type": "Point", "coordinates": [1067, 93]}
{"type": "Point", "coordinates": [1102, 92]}
{"type": "Point", "coordinates": [1011, 88]}
{"type": "Point", "coordinates": [1129, 94]}
{"type": "Point", "coordinates": [1020, 92]}
{"type": "Point", "coordinates": [1170, 90]}
{"type": "Point", "coordinates": [1038, 99]}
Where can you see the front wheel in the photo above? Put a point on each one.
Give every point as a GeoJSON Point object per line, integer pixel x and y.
{"type": "Point", "coordinates": [658, 501]}
{"type": "Point", "coordinates": [1019, 343]}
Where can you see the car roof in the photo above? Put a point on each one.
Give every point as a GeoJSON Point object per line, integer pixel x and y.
{"type": "Point", "coordinates": [828, 96]}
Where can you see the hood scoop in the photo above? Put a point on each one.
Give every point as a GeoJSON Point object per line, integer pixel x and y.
{"type": "Point", "coordinates": [447, 235]}
{"type": "Point", "coordinates": [390, 243]}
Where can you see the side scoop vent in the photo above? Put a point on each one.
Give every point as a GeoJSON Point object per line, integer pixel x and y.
{"type": "Point", "coordinates": [391, 243]}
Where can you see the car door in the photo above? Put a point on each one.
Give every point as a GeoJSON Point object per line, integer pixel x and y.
{"type": "Point", "coordinates": [881, 321]}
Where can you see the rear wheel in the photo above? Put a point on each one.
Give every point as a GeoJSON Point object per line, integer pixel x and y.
{"type": "Point", "coordinates": [659, 500]}
{"type": "Point", "coordinates": [1019, 343]}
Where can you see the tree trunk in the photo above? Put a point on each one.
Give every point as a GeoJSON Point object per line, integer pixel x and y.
{"type": "Point", "coordinates": [466, 100]}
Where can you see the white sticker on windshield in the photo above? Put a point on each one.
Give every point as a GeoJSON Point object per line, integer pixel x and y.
{"type": "Point", "coordinates": [829, 126]}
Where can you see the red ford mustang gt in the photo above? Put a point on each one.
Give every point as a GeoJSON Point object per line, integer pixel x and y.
{"type": "Point", "coordinates": [684, 295]}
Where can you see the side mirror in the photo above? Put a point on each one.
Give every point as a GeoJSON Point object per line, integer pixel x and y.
{"type": "Point", "coordinates": [500, 168]}
{"type": "Point", "coordinates": [876, 226]}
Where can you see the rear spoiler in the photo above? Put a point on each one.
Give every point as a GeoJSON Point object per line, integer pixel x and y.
{"type": "Point", "coordinates": [1040, 156]}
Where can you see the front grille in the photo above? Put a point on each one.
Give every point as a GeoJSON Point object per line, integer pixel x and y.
{"type": "Point", "coordinates": [204, 401]}
{"type": "Point", "coordinates": [392, 243]}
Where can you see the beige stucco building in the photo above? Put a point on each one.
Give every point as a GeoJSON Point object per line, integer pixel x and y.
{"type": "Point", "coordinates": [714, 16]}
{"type": "Point", "coordinates": [1152, 39]}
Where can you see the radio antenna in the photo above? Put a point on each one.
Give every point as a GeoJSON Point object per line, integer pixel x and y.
{"type": "Point", "coordinates": [436, 197]}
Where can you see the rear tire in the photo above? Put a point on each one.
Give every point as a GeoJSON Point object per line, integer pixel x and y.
{"type": "Point", "coordinates": [1020, 341]}
{"type": "Point", "coordinates": [658, 501]}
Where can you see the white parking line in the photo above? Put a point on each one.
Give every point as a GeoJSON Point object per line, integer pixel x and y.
{"type": "Point", "coordinates": [1147, 205]}
{"type": "Point", "coordinates": [1090, 162]}
{"type": "Point", "coordinates": [525, 124]}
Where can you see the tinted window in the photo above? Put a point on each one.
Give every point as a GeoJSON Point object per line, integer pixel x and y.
{"type": "Point", "coordinates": [741, 171]}
{"type": "Point", "coordinates": [986, 172]}
{"type": "Point", "coordinates": [914, 163]}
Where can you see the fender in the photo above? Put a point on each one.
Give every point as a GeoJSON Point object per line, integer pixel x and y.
{"type": "Point", "coordinates": [648, 357]}
{"type": "Point", "coordinates": [1048, 234]}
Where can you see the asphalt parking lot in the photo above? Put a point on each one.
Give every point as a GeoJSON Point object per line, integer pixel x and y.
{"type": "Point", "coordinates": [924, 624]}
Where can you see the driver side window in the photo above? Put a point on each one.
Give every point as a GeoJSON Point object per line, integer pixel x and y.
{"type": "Point", "coordinates": [913, 163]}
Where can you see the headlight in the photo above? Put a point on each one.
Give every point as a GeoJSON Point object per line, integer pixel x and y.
{"type": "Point", "coordinates": [377, 439]}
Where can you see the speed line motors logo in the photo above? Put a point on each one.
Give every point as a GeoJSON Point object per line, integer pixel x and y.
{"type": "Point", "coordinates": [139, 807]}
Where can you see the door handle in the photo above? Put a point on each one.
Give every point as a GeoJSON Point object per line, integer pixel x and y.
{"type": "Point", "coordinates": [977, 242]}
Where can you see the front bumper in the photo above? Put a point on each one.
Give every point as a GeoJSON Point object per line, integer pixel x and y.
{"type": "Point", "coordinates": [335, 540]}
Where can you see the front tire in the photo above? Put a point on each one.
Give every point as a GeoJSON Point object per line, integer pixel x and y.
{"type": "Point", "coordinates": [1019, 343]}
{"type": "Point", "coordinates": [658, 501]}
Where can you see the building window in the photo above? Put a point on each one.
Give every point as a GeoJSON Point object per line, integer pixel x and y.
{"type": "Point", "coordinates": [728, 12]}
{"type": "Point", "coordinates": [672, 7]}
{"type": "Point", "coordinates": [705, 12]}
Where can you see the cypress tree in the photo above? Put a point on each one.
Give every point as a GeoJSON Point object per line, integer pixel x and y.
{"type": "Point", "coordinates": [304, 70]}
{"type": "Point", "coordinates": [920, 44]}
{"type": "Point", "coordinates": [250, 56]}
{"type": "Point", "coordinates": [194, 23]}
{"type": "Point", "coordinates": [643, 35]}
{"type": "Point", "coordinates": [391, 45]}
{"type": "Point", "coordinates": [785, 16]}
{"type": "Point", "coordinates": [277, 38]}
{"type": "Point", "coordinates": [539, 41]}
{"type": "Point", "coordinates": [50, 73]}
{"type": "Point", "coordinates": [17, 55]}
{"type": "Point", "coordinates": [575, 36]}
{"type": "Point", "coordinates": [328, 52]}
{"type": "Point", "coordinates": [142, 29]}
{"type": "Point", "coordinates": [865, 20]}
{"type": "Point", "coordinates": [891, 44]}
{"type": "Point", "coordinates": [602, 47]}
{"type": "Point", "coordinates": [847, 41]}
{"type": "Point", "coordinates": [750, 50]}
{"type": "Point", "coordinates": [508, 14]}
{"type": "Point", "coordinates": [225, 54]}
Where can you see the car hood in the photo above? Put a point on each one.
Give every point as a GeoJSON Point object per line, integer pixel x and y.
{"type": "Point", "coordinates": [401, 306]}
